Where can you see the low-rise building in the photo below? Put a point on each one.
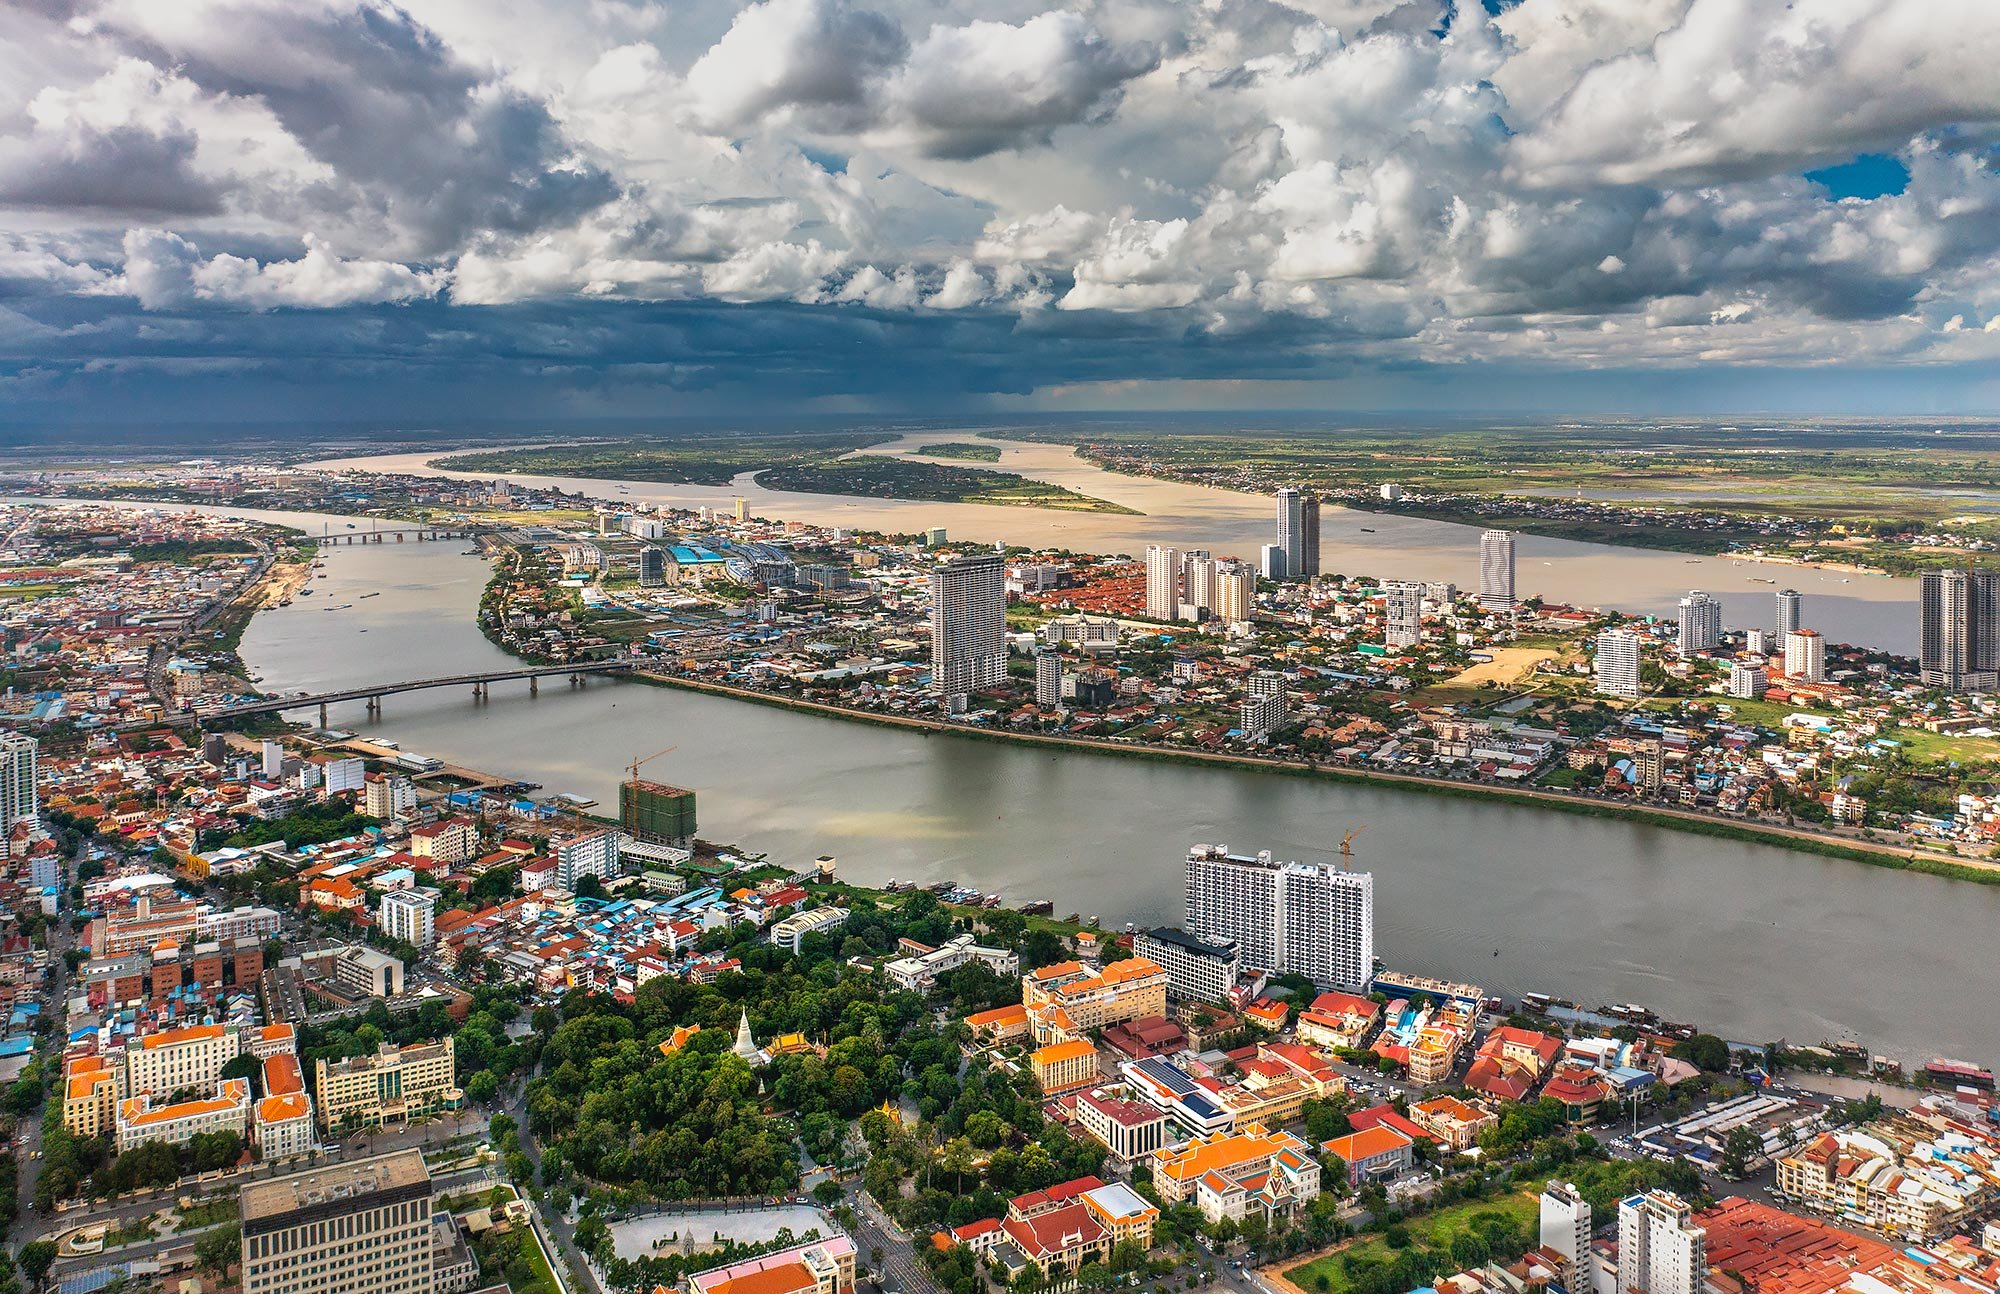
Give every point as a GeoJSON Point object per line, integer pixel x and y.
{"type": "Point", "coordinates": [1916, 1175]}
{"type": "Point", "coordinates": [1454, 1124]}
{"type": "Point", "coordinates": [141, 1121]}
{"type": "Point", "coordinates": [90, 1096]}
{"type": "Point", "coordinates": [165, 1062]}
{"type": "Point", "coordinates": [821, 1267]}
{"type": "Point", "coordinates": [1231, 1174]}
{"type": "Point", "coordinates": [393, 1084]}
{"type": "Point", "coordinates": [1374, 1153]}
{"type": "Point", "coordinates": [1065, 1066]}
{"type": "Point", "coordinates": [787, 932]}
{"type": "Point", "coordinates": [1130, 1128]}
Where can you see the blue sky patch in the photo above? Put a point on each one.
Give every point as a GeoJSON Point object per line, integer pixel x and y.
{"type": "Point", "coordinates": [1871, 175]}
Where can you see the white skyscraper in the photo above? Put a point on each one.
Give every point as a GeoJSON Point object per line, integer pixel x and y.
{"type": "Point", "coordinates": [1618, 663]}
{"type": "Point", "coordinates": [1048, 679]}
{"type": "Point", "coordinates": [1701, 623]}
{"type": "Point", "coordinates": [1747, 678]}
{"type": "Point", "coordinates": [1805, 655]}
{"type": "Point", "coordinates": [1566, 1228]}
{"type": "Point", "coordinates": [1163, 581]}
{"type": "Point", "coordinates": [1660, 1249]}
{"type": "Point", "coordinates": [1310, 919]}
{"type": "Point", "coordinates": [1757, 642]}
{"type": "Point", "coordinates": [1271, 562]}
{"type": "Point", "coordinates": [1198, 581]}
{"type": "Point", "coordinates": [1235, 592]}
{"type": "Point", "coordinates": [19, 800]}
{"type": "Point", "coordinates": [968, 625]}
{"type": "Point", "coordinates": [1402, 613]}
{"type": "Point", "coordinates": [1496, 570]}
{"type": "Point", "coordinates": [1788, 612]}
{"type": "Point", "coordinates": [1292, 531]}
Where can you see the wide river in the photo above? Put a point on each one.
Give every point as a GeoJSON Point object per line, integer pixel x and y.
{"type": "Point", "coordinates": [1868, 610]}
{"type": "Point", "coordinates": [1751, 941]}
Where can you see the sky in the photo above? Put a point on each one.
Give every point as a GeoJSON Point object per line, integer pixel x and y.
{"type": "Point", "coordinates": [301, 209]}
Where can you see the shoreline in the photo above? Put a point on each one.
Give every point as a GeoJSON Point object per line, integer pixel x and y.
{"type": "Point", "coordinates": [1977, 871]}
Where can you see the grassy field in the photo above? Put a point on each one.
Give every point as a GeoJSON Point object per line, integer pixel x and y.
{"type": "Point", "coordinates": [1433, 1231]}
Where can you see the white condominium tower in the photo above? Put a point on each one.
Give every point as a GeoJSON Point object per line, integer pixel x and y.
{"type": "Point", "coordinates": [1402, 613]}
{"type": "Point", "coordinates": [1805, 655]}
{"type": "Point", "coordinates": [1958, 635]}
{"type": "Point", "coordinates": [1310, 919]}
{"type": "Point", "coordinates": [1701, 623]}
{"type": "Point", "coordinates": [1197, 582]}
{"type": "Point", "coordinates": [18, 797]}
{"type": "Point", "coordinates": [1292, 531]}
{"type": "Point", "coordinates": [1618, 662]}
{"type": "Point", "coordinates": [1788, 612]}
{"type": "Point", "coordinates": [1566, 1228]}
{"type": "Point", "coordinates": [1660, 1249]}
{"type": "Point", "coordinates": [968, 625]}
{"type": "Point", "coordinates": [1163, 581]}
{"type": "Point", "coordinates": [1048, 679]}
{"type": "Point", "coordinates": [1496, 570]}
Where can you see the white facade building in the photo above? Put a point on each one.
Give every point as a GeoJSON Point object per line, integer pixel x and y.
{"type": "Point", "coordinates": [1746, 679]}
{"type": "Point", "coordinates": [388, 795]}
{"type": "Point", "coordinates": [1267, 707]}
{"type": "Point", "coordinates": [409, 916]}
{"type": "Point", "coordinates": [1566, 1228]}
{"type": "Point", "coordinates": [1311, 919]}
{"type": "Point", "coordinates": [19, 800]}
{"type": "Point", "coordinates": [1048, 679]}
{"type": "Point", "coordinates": [1618, 663]}
{"type": "Point", "coordinates": [1163, 581]}
{"type": "Point", "coordinates": [1197, 970]}
{"type": "Point", "coordinates": [1496, 570]}
{"type": "Point", "coordinates": [1805, 655]}
{"type": "Point", "coordinates": [1790, 605]}
{"type": "Point", "coordinates": [1701, 623]}
{"type": "Point", "coordinates": [594, 853]}
{"type": "Point", "coordinates": [1402, 613]}
{"type": "Point", "coordinates": [1660, 1249]}
{"type": "Point", "coordinates": [1271, 562]}
{"type": "Point", "coordinates": [1235, 592]}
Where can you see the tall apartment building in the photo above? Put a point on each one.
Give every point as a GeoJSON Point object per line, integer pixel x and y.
{"type": "Point", "coordinates": [1757, 642]}
{"type": "Point", "coordinates": [1660, 1249]}
{"type": "Point", "coordinates": [1790, 606]}
{"type": "Point", "coordinates": [454, 840]}
{"type": "Point", "coordinates": [1048, 679]}
{"type": "Point", "coordinates": [393, 1084]}
{"type": "Point", "coordinates": [1271, 561]}
{"type": "Point", "coordinates": [1402, 613]}
{"type": "Point", "coordinates": [19, 800]}
{"type": "Point", "coordinates": [1496, 570]}
{"type": "Point", "coordinates": [1958, 632]}
{"type": "Point", "coordinates": [354, 1228]}
{"type": "Point", "coordinates": [1198, 567]}
{"type": "Point", "coordinates": [1235, 592]}
{"type": "Point", "coordinates": [1618, 663]}
{"type": "Point", "coordinates": [1310, 919]}
{"type": "Point", "coordinates": [1309, 536]}
{"type": "Point", "coordinates": [1197, 971]}
{"type": "Point", "coordinates": [1701, 623]}
{"type": "Point", "coordinates": [594, 853]}
{"type": "Point", "coordinates": [1566, 1229]}
{"type": "Point", "coordinates": [968, 625]}
{"type": "Point", "coordinates": [409, 916]}
{"type": "Point", "coordinates": [1805, 655]}
{"type": "Point", "coordinates": [165, 1062]}
{"type": "Point", "coordinates": [1267, 707]}
{"type": "Point", "coordinates": [1163, 581]}
{"type": "Point", "coordinates": [1292, 531]}
{"type": "Point", "coordinates": [387, 795]}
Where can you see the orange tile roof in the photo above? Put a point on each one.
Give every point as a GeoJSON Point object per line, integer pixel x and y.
{"type": "Point", "coordinates": [1056, 971]}
{"type": "Point", "coordinates": [277, 1109]}
{"type": "Point", "coordinates": [175, 1037]}
{"type": "Point", "coordinates": [1225, 1152]}
{"type": "Point", "coordinates": [1057, 1052]}
{"type": "Point", "coordinates": [1366, 1144]}
{"type": "Point", "coordinates": [282, 1076]}
{"type": "Point", "coordinates": [1131, 968]}
{"type": "Point", "coordinates": [784, 1278]}
{"type": "Point", "coordinates": [999, 1016]}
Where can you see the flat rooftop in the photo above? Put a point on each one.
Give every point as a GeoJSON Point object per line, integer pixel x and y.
{"type": "Point", "coordinates": [334, 1186]}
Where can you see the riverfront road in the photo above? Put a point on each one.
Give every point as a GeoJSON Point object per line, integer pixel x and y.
{"type": "Point", "coordinates": [1571, 801]}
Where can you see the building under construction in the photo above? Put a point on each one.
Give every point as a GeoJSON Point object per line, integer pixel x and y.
{"type": "Point", "coordinates": [657, 812]}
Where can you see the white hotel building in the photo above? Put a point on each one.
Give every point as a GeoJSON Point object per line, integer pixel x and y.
{"type": "Point", "coordinates": [1310, 919]}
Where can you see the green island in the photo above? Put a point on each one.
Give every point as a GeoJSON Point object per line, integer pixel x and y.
{"type": "Point", "coordinates": [879, 477]}
{"type": "Point", "coordinates": [962, 449]}
{"type": "Point", "coordinates": [707, 459]}
{"type": "Point", "coordinates": [1890, 497]}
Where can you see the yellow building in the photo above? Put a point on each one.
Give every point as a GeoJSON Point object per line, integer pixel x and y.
{"type": "Point", "coordinates": [165, 1062]}
{"type": "Point", "coordinates": [1067, 1000]}
{"type": "Point", "coordinates": [1455, 1123]}
{"type": "Point", "coordinates": [90, 1096]}
{"type": "Point", "coordinates": [1004, 1024]}
{"type": "Point", "coordinates": [1178, 1169]}
{"type": "Point", "coordinates": [1065, 1066]}
{"type": "Point", "coordinates": [393, 1084]}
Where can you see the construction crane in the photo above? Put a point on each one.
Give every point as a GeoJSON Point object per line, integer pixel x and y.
{"type": "Point", "coordinates": [633, 767]}
{"type": "Point", "coordinates": [1347, 841]}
